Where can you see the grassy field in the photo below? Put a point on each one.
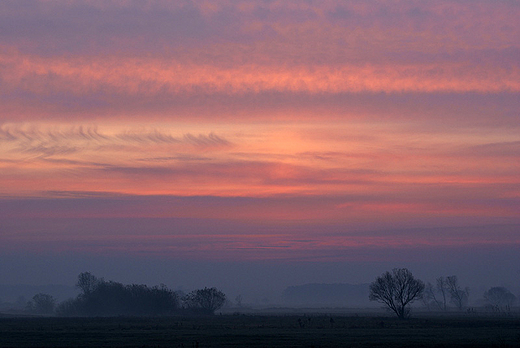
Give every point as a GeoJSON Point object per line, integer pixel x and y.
{"type": "Point", "coordinates": [261, 331]}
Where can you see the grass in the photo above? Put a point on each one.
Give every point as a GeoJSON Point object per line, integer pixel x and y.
{"type": "Point", "coordinates": [261, 331]}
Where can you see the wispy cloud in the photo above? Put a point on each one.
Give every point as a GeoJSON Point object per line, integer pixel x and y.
{"type": "Point", "coordinates": [180, 157]}
{"type": "Point", "coordinates": [206, 140]}
{"type": "Point", "coordinates": [147, 137]}
{"type": "Point", "coordinates": [502, 149]}
{"type": "Point", "coordinates": [32, 133]}
{"type": "Point", "coordinates": [49, 141]}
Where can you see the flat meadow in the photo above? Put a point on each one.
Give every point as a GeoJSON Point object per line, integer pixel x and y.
{"type": "Point", "coordinates": [240, 330]}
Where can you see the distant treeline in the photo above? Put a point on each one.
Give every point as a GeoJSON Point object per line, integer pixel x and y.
{"type": "Point", "coordinates": [396, 290]}
{"type": "Point", "coordinates": [339, 294]}
{"type": "Point", "coordinates": [99, 297]}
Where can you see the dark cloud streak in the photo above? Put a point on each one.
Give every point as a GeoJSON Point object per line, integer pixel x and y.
{"type": "Point", "coordinates": [47, 142]}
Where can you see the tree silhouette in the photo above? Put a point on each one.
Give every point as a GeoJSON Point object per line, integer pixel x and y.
{"type": "Point", "coordinates": [397, 290]}
{"type": "Point", "coordinates": [459, 296]}
{"type": "Point", "coordinates": [438, 295]}
{"type": "Point", "coordinates": [43, 303]}
{"type": "Point", "coordinates": [87, 282]}
{"type": "Point", "coordinates": [499, 299]}
{"type": "Point", "coordinates": [238, 300]}
{"type": "Point", "coordinates": [206, 300]}
{"type": "Point", "coordinates": [109, 298]}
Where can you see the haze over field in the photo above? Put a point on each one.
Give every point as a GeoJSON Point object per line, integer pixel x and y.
{"type": "Point", "coordinates": [255, 145]}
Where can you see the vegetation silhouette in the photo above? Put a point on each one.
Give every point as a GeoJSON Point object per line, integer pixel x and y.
{"type": "Point", "coordinates": [42, 304]}
{"type": "Point", "coordinates": [397, 290]}
{"type": "Point", "coordinates": [459, 297]}
{"type": "Point", "coordinates": [499, 299]}
{"type": "Point", "coordinates": [323, 295]}
{"type": "Point", "coordinates": [205, 301]}
{"type": "Point", "coordinates": [446, 290]}
{"type": "Point", "coordinates": [436, 296]}
{"type": "Point", "coordinates": [101, 298]}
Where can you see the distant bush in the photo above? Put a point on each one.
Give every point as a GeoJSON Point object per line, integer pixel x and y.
{"type": "Point", "coordinates": [204, 301]}
{"type": "Point", "coordinates": [499, 299]}
{"type": "Point", "coordinates": [108, 298]}
{"type": "Point", "coordinates": [42, 304]}
{"type": "Point", "coordinates": [101, 298]}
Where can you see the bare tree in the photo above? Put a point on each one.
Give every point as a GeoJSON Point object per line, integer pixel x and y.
{"type": "Point", "coordinates": [207, 300]}
{"type": "Point", "coordinates": [499, 299]}
{"type": "Point", "coordinates": [442, 288]}
{"type": "Point", "coordinates": [428, 298]}
{"type": "Point", "coordinates": [459, 297]}
{"type": "Point", "coordinates": [87, 282]}
{"type": "Point", "coordinates": [21, 302]}
{"type": "Point", "coordinates": [436, 295]}
{"type": "Point", "coordinates": [238, 300]}
{"type": "Point", "coordinates": [397, 290]}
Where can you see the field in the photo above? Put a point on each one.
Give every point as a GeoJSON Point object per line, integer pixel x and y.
{"type": "Point", "coordinates": [261, 331]}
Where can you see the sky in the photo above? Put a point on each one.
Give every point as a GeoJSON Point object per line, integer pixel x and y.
{"type": "Point", "coordinates": [253, 145]}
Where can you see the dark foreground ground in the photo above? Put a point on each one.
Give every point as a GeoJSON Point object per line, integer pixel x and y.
{"type": "Point", "coordinates": [261, 331]}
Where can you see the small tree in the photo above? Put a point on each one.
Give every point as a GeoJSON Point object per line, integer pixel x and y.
{"type": "Point", "coordinates": [208, 300]}
{"type": "Point", "coordinates": [437, 295]}
{"type": "Point", "coordinates": [442, 289]}
{"type": "Point", "coordinates": [21, 302]}
{"type": "Point", "coordinates": [87, 282]}
{"type": "Point", "coordinates": [43, 303]}
{"type": "Point", "coordinates": [499, 299]}
{"type": "Point", "coordinates": [238, 300]}
{"type": "Point", "coordinates": [459, 297]}
{"type": "Point", "coordinates": [397, 290]}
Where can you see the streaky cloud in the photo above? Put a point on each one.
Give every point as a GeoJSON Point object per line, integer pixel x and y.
{"type": "Point", "coordinates": [206, 140]}
{"type": "Point", "coordinates": [503, 149]}
{"type": "Point", "coordinates": [49, 141]}
{"type": "Point", "coordinates": [179, 157]}
{"type": "Point", "coordinates": [30, 133]}
{"type": "Point", "coordinates": [147, 137]}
